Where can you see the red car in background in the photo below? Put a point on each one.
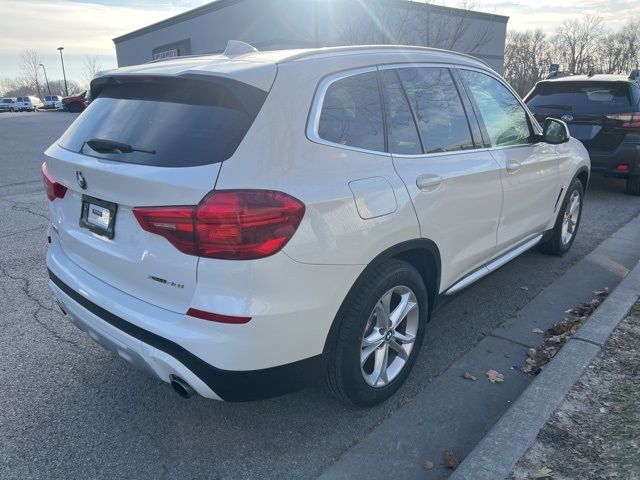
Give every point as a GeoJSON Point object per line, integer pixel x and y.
{"type": "Point", "coordinates": [75, 103]}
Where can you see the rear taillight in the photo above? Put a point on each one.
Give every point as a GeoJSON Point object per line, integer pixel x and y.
{"type": "Point", "coordinates": [228, 224]}
{"type": "Point", "coordinates": [52, 188]}
{"type": "Point", "coordinates": [628, 120]}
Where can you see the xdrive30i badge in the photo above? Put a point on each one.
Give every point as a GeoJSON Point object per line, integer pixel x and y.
{"type": "Point", "coordinates": [165, 281]}
{"type": "Point", "coordinates": [81, 180]}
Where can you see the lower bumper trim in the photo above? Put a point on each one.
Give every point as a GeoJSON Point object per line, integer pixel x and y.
{"type": "Point", "coordinates": [229, 385]}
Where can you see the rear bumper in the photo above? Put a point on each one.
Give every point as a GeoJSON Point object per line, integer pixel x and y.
{"type": "Point", "coordinates": [163, 358]}
{"type": "Point", "coordinates": [609, 162]}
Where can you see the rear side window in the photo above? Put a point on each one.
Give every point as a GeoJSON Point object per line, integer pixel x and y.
{"type": "Point", "coordinates": [352, 113]}
{"type": "Point", "coordinates": [185, 122]}
{"type": "Point", "coordinates": [581, 97]}
{"type": "Point", "coordinates": [403, 134]}
{"type": "Point", "coordinates": [438, 110]}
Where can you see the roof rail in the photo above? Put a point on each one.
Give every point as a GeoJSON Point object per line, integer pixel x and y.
{"type": "Point", "coordinates": [554, 71]}
{"type": "Point", "coordinates": [559, 74]}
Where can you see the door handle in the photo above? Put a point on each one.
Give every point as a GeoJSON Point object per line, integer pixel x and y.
{"type": "Point", "coordinates": [428, 183]}
{"type": "Point", "coordinates": [513, 166]}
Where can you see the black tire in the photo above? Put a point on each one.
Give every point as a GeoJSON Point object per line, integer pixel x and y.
{"type": "Point", "coordinates": [567, 223]}
{"type": "Point", "coordinates": [633, 185]}
{"type": "Point", "coordinates": [391, 286]}
{"type": "Point", "coordinates": [75, 107]}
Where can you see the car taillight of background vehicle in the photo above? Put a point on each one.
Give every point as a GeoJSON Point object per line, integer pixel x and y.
{"type": "Point", "coordinates": [52, 188]}
{"type": "Point", "coordinates": [629, 120]}
{"type": "Point", "coordinates": [227, 224]}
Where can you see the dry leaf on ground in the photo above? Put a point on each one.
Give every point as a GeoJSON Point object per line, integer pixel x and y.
{"type": "Point", "coordinates": [543, 473]}
{"type": "Point", "coordinates": [558, 334]}
{"type": "Point", "coordinates": [468, 376]}
{"type": "Point", "coordinates": [450, 460]}
{"type": "Point", "coordinates": [495, 377]}
{"type": "Point", "coordinates": [426, 464]}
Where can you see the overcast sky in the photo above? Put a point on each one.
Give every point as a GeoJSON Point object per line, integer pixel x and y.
{"type": "Point", "coordinates": [87, 27]}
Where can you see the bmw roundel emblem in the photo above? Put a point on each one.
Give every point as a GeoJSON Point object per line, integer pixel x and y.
{"type": "Point", "coordinates": [81, 180]}
{"type": "Point", "coordinates": [566, 118]}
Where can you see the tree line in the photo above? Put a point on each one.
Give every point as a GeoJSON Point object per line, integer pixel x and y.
{"type": "Point", "coordinates": [33, 79]}
{"type": "Point", "coordinates": [577, 45]}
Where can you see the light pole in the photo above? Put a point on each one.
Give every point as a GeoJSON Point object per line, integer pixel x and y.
{"type": "Point", "coordinates": [66, 90]}
{"type": "Point", "coordinates": [45, 78]}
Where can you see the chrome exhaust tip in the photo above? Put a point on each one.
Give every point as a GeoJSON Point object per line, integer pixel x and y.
{"type": "Point", "coordinates": [181, 387]}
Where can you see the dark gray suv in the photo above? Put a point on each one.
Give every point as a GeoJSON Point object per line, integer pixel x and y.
{"type": "Point", "coordinates": [602, 111]}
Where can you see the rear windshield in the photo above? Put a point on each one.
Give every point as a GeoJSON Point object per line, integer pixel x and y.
{"type": "Point", "coordinates": [167, 122]}
{"type": "Point", "coordinates": [581, 97]}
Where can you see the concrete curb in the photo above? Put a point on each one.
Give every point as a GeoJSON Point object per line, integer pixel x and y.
{"type": "Point", "coordinates": [498, 452]}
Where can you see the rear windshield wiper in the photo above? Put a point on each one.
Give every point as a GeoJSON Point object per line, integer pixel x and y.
{"type": "Point", "coordinates": [109, 146]}
{"type": "Point", "coordinates": [555, 106]}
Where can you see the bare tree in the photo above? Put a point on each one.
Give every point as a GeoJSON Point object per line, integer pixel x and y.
{"type": "Point", "coordinates": [57, 87]}
{"type": "Point", "coordinates": [29, 65]}
{"type": "Point", "coordinates": [373, 23]}
{"type": "Point", "coordinates": [578, 46]}
{"type": "Point", "coordinates": [410, 23]}
{"type": "Point", "coordinates": [619, 52]}
{"type": "Point", "coordinates": [576, 42]}
{"type": "Point", "coordinates": [452, 29]}
{"type": "Point", "coordinates": [90, 66]}
{"type": "Point", "coordinates": [612, 53]}
{"type": "Point", "coordinates": [527, 57]}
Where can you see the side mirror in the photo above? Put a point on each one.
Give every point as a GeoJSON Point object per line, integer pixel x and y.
{"type": "Point", "coordinates": [555, 131]}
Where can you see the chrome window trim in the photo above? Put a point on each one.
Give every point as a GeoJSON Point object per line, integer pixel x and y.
{"type": "Point", "coordinates": [316, 110]}
{"type": "Point", "coordinates": [321, 90]}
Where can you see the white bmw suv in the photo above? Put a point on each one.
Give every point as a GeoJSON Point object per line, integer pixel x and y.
{"type": "Point", "coordinates": [245, 224]}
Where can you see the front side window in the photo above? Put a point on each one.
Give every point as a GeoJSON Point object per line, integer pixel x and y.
{"type": "Point", "coordinates": [502, 114]}
{"type": "Point", "coordinates": [351, 113]}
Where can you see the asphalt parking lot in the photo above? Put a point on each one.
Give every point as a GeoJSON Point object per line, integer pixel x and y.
{"type": "Point", "coordinates": [70, 409]}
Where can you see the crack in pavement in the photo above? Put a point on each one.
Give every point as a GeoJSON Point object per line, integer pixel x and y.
{"type": "Point", "coordinates": [16, 207]}
{"type": "Point", "coordinates": [24, 285]}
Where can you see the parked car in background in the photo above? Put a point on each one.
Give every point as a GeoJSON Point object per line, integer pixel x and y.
{"type": "Point", "coordinates": [75, 103]}
{"type": "Point", "coordinates": [8, 104]}
{"type": "Point", "coordinates": [28, 104]}
{"type": "Point", "coordinates": [602, 111]}
{"type": "Point", "coordinates": [245, 224]}
{"type": "Point", "coordinates": [50, 101]}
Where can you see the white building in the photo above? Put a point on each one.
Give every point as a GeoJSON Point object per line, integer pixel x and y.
{"type": "Point", "coordinates": [275, 24]}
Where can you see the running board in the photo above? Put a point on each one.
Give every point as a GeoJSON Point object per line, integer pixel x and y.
{"type": "Point", "coordinates": [490, 267]}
